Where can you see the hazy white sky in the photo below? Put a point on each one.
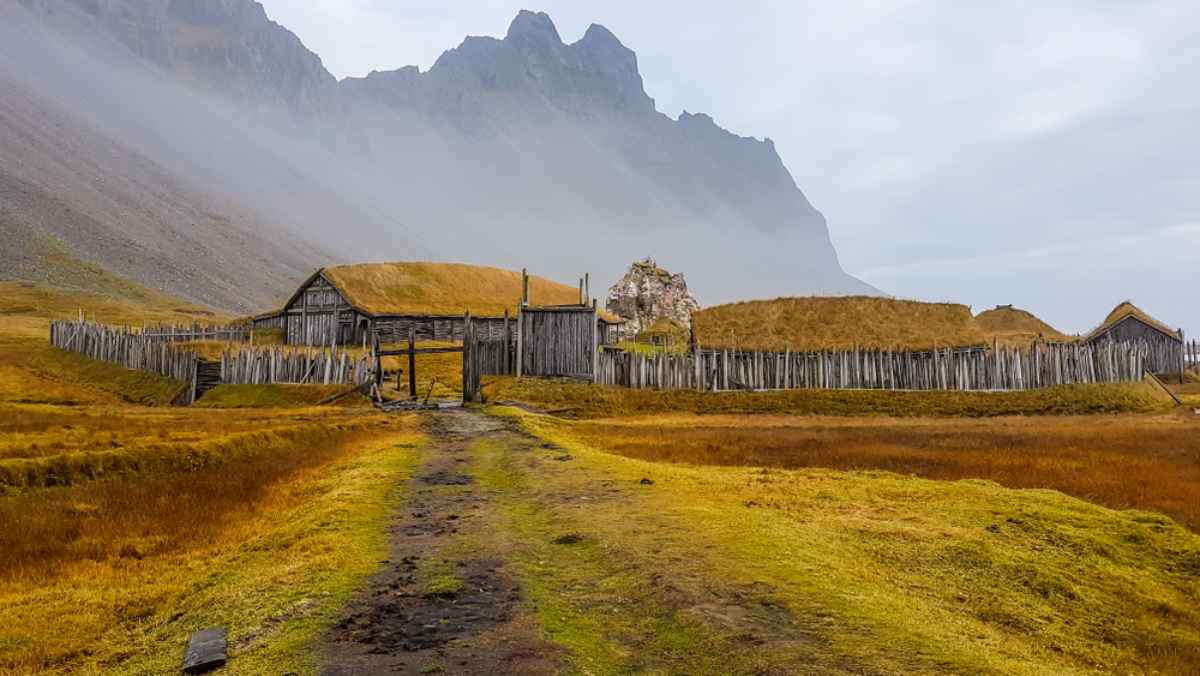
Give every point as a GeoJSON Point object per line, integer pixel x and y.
{"type": "Point", "coordinates": [1039, 154]}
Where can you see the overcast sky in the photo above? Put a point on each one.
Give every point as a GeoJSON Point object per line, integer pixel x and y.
{"type": "Point", "coordinates": [1038, 154]}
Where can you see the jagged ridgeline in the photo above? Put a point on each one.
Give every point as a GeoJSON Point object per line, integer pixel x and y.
{"type": "Point", "coordinates": [201, 148]}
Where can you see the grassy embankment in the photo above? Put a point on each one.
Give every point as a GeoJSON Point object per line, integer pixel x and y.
{"type": "Point", "coordinates": [748, 570]}
{"type": "Point", "coordinates": [128, 527]}
{"type": "Point", "coordinates": [580, 400]}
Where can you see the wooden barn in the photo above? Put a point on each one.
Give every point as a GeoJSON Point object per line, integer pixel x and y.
{"type": "Point", "coordinates": [351, 304]}
{"type": "Point", "coordinates": [1128, 322]}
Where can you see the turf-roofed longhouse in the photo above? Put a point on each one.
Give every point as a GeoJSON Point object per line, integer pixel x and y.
{"type": "Point", "coordinates": [836, 323]}
{"type": "Point", "coordinates": [1128, 322]}
{"type": "Point", "coordinates": [350, 303]}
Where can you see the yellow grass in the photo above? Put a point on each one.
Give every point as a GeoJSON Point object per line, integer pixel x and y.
{"type": "Point", "coordinates": [1124, 462]}
{"type": "Point", "coordinates": [126, 527]}
{"type": "Point", "coordinates": [838, 572]}
{"type": "Point", "coordinates": [821, 323]}
{"type": "Point", "coordinates": [1013, 326]}
{"type": "Point", "coordinates": [580, 400]}
{"type": "Point", "coordinates": [112, 576]}
{"type": "Point", "coordinates": [448, 289]}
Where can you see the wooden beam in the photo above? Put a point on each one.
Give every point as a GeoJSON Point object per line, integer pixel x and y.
{"type": "Point", "coordinates": [420, 350]}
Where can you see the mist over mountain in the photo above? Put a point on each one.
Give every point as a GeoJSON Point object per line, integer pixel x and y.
{"type": "Point", "coordinates": [524, 151]}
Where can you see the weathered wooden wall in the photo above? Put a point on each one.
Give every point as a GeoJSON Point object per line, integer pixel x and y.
{"type": "Point", "coordinates": [187, 333]}
{"type": "Point", "coordinates": [319, 315]}
{"type": "Point", "coordinates": [257, 366]}
{"type": "Point", "coordinates": [557, 342]}
{"type": "Point", "coordinates": [1164, 352]}
{"type": "Point", "coordinates": [441, 329]}
{"type": "Point", "coordinates": [950, 369]}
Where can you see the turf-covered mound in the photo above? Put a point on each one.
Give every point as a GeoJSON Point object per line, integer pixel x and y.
{"type": "Point", "coordinates": [836, 323]}
{"type": "Point", "coordinates": [1010, 325]}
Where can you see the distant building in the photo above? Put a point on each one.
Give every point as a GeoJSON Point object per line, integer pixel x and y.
{"type": "Point", "coordinates": [1128, 322]}
{"type": "Point", "coordinates": [352, 304]}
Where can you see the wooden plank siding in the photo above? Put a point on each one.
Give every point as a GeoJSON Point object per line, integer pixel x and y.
{"type": "Point", "coordinates": [1163, 349]}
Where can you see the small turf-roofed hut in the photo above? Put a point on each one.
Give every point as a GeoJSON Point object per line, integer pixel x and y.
{"type": "Point", "coordinates": [350, 304]}
{"type": "Point", "coordinates": [1127, 322]}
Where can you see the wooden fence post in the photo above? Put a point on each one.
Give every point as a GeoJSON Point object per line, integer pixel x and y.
{"type": "Point", "coordinates": [412, 362]}
{"type": "Point", "coordinates": [520, 341]}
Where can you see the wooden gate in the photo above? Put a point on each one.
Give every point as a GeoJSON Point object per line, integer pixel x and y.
{"type": "Point", "coordinates": [558, 342]}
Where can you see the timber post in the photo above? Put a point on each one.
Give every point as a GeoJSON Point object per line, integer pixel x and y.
{"type": "Point", "coordinates": [595, 343]}
{"type": "Point", "coordinates": [1182, 359]}
{"type": "Point", "coordinates": [505, 359]}
{"type": "Point", "coordinates": [378, 364]}
{"type": "Point", "coordinates": [412, 363]}
{"type": "Point", "coordinates": [520, 341]}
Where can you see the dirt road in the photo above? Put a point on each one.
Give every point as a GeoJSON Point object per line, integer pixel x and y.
{"type": "Point", "coordinates": [512, 557]}
{"type": "Point", "coordinates": [444, 601]}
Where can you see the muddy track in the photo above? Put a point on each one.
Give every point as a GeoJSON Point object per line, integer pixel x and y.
{"type": "Point", "coordinates": [399, 624]}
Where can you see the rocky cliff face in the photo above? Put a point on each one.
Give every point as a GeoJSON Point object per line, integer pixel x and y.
{"type": "Point", "coordinates": [510, 151]}
{"type": "Point", "coordinates": [648, 294]}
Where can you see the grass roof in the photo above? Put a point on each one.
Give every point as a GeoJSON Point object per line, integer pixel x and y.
{"type": "Point", "coordinates": [1012, 325]}
{"type": "Point", "coordinates": [1125, 310]}
{"type": "Point", "coordinates": [443, 289]}
{"type": "Point", "coordinates": [825, 323]}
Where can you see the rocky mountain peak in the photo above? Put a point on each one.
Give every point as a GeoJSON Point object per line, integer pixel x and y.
{"type": "Point", "coordinates": [532, 27]}
{"type": "Point", "coordinates": [648, 294]}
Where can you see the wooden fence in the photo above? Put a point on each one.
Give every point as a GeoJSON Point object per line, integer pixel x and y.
{"type": "Point", "coordinates": [176, 333]}
{"type": "Point", "coordinates": [949, 369]}
{"type": "Point", "coordinates": [129, 349]}
{"type": "Point", "coordinates": [1191, 354]}
{"type": "Point", "coordinates": [259, 366]}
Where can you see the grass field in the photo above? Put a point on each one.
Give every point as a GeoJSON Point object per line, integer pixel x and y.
{"type": "Point", "coordinates": [658, 533]}
{"type": "Point", "coordinates": [1123, 462]}
{"type": "Point", "coordinates": [128, 526]}
{"type": "Point", "coordinates": [687, 569]}
{"type": "Point", "coordinates": [580, 400]}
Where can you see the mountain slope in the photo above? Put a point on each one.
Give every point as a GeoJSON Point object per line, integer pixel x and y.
{"type": "Point", "coordinates": [68, 192]}
{"type": "Point", "coordinates": [519, 152]}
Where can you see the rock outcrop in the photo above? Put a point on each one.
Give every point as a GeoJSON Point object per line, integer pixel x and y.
{"type": "Point", "coordinates": [648, 294]}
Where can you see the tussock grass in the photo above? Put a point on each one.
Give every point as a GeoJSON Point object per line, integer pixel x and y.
{"type": "Point", "coordinates": [269, 546]}
{"type": "Point", "coordinates": [1123, 462]}
{"type": "Point", "coordinates": [1013, 326]}
{"type": "Point", "coordinates": [579, 400]}
{"type": "Point", "coordinates": [64, 469]}
{"type": "Point", "coordinates": [886, 573]}
{"type": "Point", "coordinates": [823, 323]}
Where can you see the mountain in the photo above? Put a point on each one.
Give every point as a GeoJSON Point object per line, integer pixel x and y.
{"type": "Point", "coordinates": [524, 151]}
